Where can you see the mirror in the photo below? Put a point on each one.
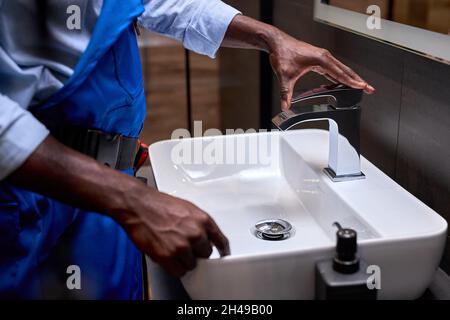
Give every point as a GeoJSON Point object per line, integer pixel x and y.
{"type": "Point", "coordinates": [433, 15]}
{"type": "Point", "coordinates": [420, 26]}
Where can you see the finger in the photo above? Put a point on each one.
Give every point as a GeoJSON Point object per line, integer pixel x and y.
{"type": "Point", "coordinates": [218, 238]}
{"type": "Point", "coordinates": [348, 70]}
{"type": "Point", "coordinates": [330, 78]}
{"type": "Point", "coordinates": [187, 259]}
{"type": "Point", "coordinates": [368, 88]}
{"type": "Point", "coordinates": [337, 73]}
{"type": "Point", "coordinates": [202, 248]}
{"type": "Point", "coordinates": [320, 71]}
{"type": "Point", "coordinates": [173, 267]}
{"type": "Point", "coordinates": [335, 69]}
{"type": "Point", "coordinates": [286, 92]}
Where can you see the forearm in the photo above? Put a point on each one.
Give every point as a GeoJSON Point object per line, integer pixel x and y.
{"type": "Point", "coordinates": [199, 24]}
{"type": "Point", "coordinates": [71, 177]}
{"type": "Point", "coordinates": [247, 33]}
{"type": "Point", "coordinates": [290, 58]}
{"type": "Point", "coordinates": [173, 232]}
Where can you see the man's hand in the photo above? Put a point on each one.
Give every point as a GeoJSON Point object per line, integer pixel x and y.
{"type": "Point", "coordinates": [172, 231]}
{"type": "Point", "coordinates": [290, 58]}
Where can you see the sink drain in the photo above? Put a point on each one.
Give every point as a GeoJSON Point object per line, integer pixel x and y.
{"type": "Point", "coordinates": [273, 229]}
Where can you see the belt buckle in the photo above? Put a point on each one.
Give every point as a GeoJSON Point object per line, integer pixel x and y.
{"type": "Point", "coordinates": [106, 147]}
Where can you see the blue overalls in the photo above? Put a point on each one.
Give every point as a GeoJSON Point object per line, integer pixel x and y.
{"type": "Point", "coordinates": [39, 237]}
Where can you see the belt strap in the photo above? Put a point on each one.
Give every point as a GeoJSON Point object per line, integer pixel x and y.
{"type": "Point", "coordinates": [113, 150]}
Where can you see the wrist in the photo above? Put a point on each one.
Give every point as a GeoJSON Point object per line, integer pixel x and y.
{"type": "Point", "coordinates": [121, 200]}
{"type": "Point", "coordinates": [130, 199]}
{"type": "Point", "coordinates": [270, 38]}
{"type": "Point", "coordinates": [248, 33]}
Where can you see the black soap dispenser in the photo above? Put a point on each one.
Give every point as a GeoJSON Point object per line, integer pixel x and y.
{"type": "Point", "coordinates": [343, 277]}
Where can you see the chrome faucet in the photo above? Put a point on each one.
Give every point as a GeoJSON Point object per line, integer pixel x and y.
{"type": "Point", "coordinates": [339, 105]}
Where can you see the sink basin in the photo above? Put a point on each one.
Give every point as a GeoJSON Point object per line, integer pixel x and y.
{"type": "Point", "coordinates": [279, 175]}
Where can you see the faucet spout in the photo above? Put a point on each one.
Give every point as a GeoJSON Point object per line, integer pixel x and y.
{"type": "Point", "coordinates": [344, 126]}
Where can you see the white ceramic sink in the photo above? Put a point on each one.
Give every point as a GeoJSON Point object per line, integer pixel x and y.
{"type": "Point", "coordinates": [396, 231]}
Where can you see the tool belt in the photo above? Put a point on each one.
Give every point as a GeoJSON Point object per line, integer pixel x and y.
{"type": "Point", "coordinates": [113, 150]}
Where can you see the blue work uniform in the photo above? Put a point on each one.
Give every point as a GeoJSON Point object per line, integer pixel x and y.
{"type": "Point", "coordinates": [40, 238]}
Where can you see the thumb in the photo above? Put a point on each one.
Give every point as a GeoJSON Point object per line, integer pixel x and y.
{"type": "Point", "coordinates": [286, 92]}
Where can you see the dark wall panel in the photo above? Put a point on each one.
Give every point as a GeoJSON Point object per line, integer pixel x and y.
{"type": "Point", "coordinates": [424, 138]}
{"type": "Point", "coordinates": [406, 124]}
{"type": "Point", "coordinates": [382, 66]}
{"type": "Point", "coordinates": [295, 18]}
{"type": "Point", "coordinates": [239, 79]}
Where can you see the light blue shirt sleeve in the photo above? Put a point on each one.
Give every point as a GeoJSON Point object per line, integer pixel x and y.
{"type": "Point", "coordinates": [199, 24]}
{"type": "Point", "coordinates": [20, 135]}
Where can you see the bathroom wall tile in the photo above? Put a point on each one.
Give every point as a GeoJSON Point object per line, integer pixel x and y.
{"type": "Point", "coordinates": [296, 18]}
{"type": "Point", "coordinates": [240, 80]}
{"type": "Point", "coordinates": [165, 87]}
{"type": "Point", "coordinates": [406, 124]}
{"type": "Point", "coordinates": [382, 66]}
{"type": "Point", "coordinates": [378, 63]}
{"type": "Point", "coordinates": [423, 165]}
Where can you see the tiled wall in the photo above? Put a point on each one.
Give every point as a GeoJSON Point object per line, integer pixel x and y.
{"type": "Point", "coordinates": [239, 79]}
{"type": "Point", "coordinates": [163, 62]}
{"type": "Point", "coordinates": [406, 124]}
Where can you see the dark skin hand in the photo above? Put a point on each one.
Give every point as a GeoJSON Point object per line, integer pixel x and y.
{"type": "Point", "coordinates": [290, 58]}
{"type": "Point", "coordinates": [170, 230]}
{"type": "Point", "coordinates": [173, 232]}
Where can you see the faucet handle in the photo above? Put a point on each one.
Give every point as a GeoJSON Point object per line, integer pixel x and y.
{"type": "Point", "coordinates": [338, 95]}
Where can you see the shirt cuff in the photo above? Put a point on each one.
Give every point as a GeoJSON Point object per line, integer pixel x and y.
{"type": "Point", "coordinates": [205, 34]}
{"type": "Point", "coordinates": [20, 135]}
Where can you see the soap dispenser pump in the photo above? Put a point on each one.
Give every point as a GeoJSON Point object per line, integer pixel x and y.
{"type": "Point", "coordinates": [343, 277]}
